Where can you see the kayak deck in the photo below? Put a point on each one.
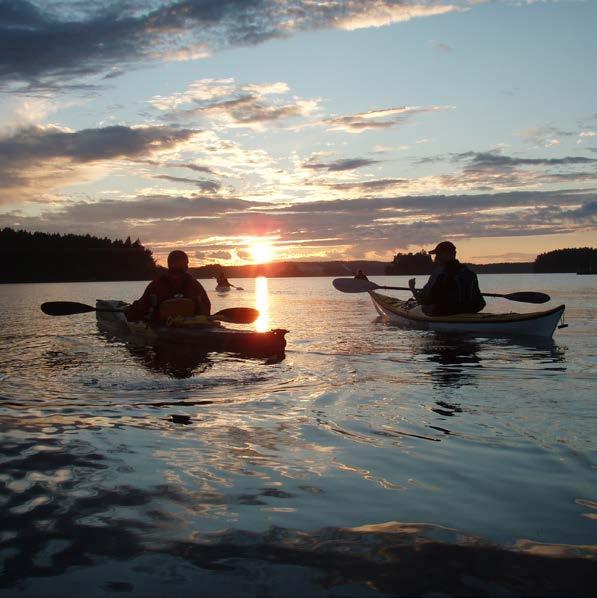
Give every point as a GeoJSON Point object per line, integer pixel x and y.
{"type": "Point", "coordinates": [541, 323]}
{"type": "Point", "coordinates": [216, 338]}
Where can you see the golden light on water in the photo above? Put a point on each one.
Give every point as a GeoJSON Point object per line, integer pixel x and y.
{"type": "Point", "coordinates": [262, 251]}
{"type": "Point", "coordinates": [262, 304]}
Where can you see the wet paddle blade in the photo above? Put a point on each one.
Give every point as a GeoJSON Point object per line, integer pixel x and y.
{"type": "Point", "coordinates": [528, 297]}
{"type": "Point", "coordinates": [65, 308]}
{"type": "Point", "coordinates": [354, 285]}
{"type": "Point", "coordinates": [237, 315]}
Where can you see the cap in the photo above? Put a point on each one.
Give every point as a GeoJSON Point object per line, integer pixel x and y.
{"type": "Point", "coordinates": [444, 246]}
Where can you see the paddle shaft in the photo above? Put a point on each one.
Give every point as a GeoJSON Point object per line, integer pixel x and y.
{"type": "Point", "coordinates": [235, 315]}
{"type": "Point", "coordinates": [510, 296]}
{"type": "Point", "coordinates": [350, 285]}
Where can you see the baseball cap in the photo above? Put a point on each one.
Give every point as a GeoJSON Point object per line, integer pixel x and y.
{"type": "Point", "coordinates": [444, 246]}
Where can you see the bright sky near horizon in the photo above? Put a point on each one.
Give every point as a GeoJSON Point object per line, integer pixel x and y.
{"type": "Point", "coordinates": [330, 129]}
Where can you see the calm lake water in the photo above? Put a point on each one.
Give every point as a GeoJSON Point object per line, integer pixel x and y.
{"type": "Point", "coordinates": [370, 461]}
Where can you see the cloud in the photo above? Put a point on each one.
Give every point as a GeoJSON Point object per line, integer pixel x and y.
{"type": "Point", "coordinates": [37, 157]}
{"type": "Point", "coordinates": [496, 159]}
{"type": "Point", "coordinates": [205, 185]}
{"type": "Point", "coordinates": [219, 255]}
{"type": "Point", "coordinates": [544, 136]}
{"type": "Point", "coordinates": [340, 165]}
{"type": "Point", "coordinates": [368, 187]}
{"type": "Point", "coordinates": [585, 135]}
{"type": "Point", "coordinates": [493, 170]}
{"type": "Point", "coordinates": [226, 103]}
{"type": "Point", "coordinates": [210, 89]}
{"type": "Point", "coordinates": [322, 229]}
{"type": "Point", "coordinates": [195, 167]}
{"type": "Point", "coordinates": [443, 46]}
{"type": "Point", "coordinates": [376, 119]}
{"type": "Point", "coordinates": [46, 45]}
{"type": "Point", "coordinates": [378, 13]}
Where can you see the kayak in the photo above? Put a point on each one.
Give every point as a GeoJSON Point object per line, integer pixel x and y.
{"type": "Point", "coordinates": [222, 289]}
{"type": "Point", "coordinates": [538, 323]}
{"type": "Point", "coordinates": [207, 338]}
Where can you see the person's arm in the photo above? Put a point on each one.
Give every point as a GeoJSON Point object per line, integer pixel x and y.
{"type": "Point", "coordinates": [411, 285]}
{"type": "Point", "coordinates": [140, 308]}
{"type": "Point", "coordinates": [480, 302]}
{"type": "Point", "coordinates": [428, 294]}
{"type": "Point", "coordinates": [424, 295]}
{"type": "Point", "coordinates": [203, 302]}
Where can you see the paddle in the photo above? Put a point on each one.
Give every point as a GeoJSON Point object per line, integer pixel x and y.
{"type": "Point", "coordinates": [233, 315]}
{"type": "Point", "coordinates": [352, 285]}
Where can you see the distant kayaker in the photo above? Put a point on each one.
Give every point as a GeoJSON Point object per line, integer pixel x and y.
{"type": "Point", "coordinates": [175, 293]}
{"type": "Point", "coordinates": [360, 275]}
{"type": "Point", "coordinates": [222, 281]}
{"type": "Point", "coordinates": [452, 287]}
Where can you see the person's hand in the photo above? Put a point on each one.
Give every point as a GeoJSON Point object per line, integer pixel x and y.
{"type": "Point", "coordinates": [411, 283]}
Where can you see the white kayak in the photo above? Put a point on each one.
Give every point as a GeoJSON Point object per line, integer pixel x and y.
{"type": "Point", "coordinates": [403, 313]}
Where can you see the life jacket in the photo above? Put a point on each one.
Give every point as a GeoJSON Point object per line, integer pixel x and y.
{"type": "Point", "coordinates": [176, 307]}
{"type": "Point", "coordinates": [179, 305]}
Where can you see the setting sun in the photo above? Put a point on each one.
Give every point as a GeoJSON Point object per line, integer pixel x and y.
{"type": "Point", "coordinates": [261, 250]}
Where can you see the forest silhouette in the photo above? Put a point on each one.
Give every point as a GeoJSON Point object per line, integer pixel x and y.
{"type": "Point", "coordinates": [45, 257]}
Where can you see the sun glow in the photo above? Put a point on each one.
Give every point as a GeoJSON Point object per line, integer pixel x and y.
{"type": "Point", "coordinates": [262, 251]}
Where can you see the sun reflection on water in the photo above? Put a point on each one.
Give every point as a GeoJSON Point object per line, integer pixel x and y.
{"type": "Point", "coordinates": [262, 304]}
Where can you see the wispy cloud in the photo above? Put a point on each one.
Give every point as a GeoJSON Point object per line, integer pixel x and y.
{"type": "Point", "coordinates": [340, 165]}
{"type": "Point", "coordinates": [545, 136]}
{"type": "Point", "coordinates": [493, 170]}
{"type": "Point", "coordinates": [443, 47]}
{"type": "Point", "coordinates": [383, 118]}
{"type": "Point", "coordinates": [226, 103]}
{"type": "Point", "coordinates": [205, 185]}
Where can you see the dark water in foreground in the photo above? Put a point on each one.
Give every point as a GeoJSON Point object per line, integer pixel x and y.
{"type": "Point", "coordinates": [371, 461]}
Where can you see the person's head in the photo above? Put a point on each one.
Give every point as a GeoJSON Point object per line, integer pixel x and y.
{"type": "Point", "coordinates": [178, 261]}
{"type": "Point", "coordinates": [444, 252]}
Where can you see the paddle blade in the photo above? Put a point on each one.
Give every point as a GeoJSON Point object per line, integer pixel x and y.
{"type": "Point", "coordinates": [65, 308]}
{"type": "Point", "coordinates": [528, 297]}
{"type": "Point", "coordinates": [354, 285]}
{"type": "Point", "coordinates": [237, 315]}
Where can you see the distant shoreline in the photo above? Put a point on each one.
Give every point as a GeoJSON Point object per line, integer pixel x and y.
{"type": "Point", "coordinates": [27, 257]}
{"type": "Point", "coordinates": [8, 282]}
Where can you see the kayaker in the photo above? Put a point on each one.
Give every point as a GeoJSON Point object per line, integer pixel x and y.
{"type": "Point", "coordinates": [174, 293]}
{"type": "Point", "coordinates": [360, 275]}
{"type": "Point", "coordinates": [222, 281]}
{"type": "Point", "coordinates": [452, 287]}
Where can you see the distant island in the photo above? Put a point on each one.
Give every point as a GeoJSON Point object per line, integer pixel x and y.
{"type": "Point", "coordinates": [52, 257]}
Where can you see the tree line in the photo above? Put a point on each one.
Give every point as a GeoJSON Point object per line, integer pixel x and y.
{"type": "Point", "coordinates": [52, 257]}
{"type": "Point", "coordinates": [574, 259]}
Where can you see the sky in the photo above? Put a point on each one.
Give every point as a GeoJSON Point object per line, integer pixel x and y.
{"type": "Point", "coordinates": [239, 130]}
